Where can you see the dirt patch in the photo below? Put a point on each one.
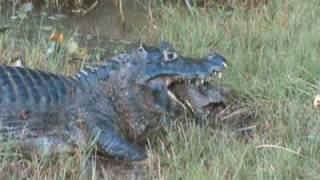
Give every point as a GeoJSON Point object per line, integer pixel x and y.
{"type": "Point", "coordinates": [110, 168]}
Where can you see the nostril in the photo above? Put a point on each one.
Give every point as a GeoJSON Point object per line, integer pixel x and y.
{"type": "Point", "coordinates": [170, 55]}
{"type": "Point", "coordinates": [217, 60]}
{"type": "Point", "coordinates": [141, 49]}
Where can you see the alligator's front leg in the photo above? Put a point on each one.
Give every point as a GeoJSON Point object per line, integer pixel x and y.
{"type": "Point", "coordinates": [101, 127]}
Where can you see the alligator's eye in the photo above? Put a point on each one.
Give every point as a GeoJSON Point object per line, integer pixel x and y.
{"type": "Point", "coordinates": [141, 49]}
{"type": "Point", "coordinates": [211, 55]}
{"type": "Point", "coordinates": [170, 55]}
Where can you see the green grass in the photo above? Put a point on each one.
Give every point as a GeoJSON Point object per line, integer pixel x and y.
{"type": "Point", "coordinates": [274, 64]}
{"type": "Point", "coordinates": [273, 57]}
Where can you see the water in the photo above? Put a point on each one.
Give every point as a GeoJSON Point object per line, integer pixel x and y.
{"type": "Point", "coordinates": [100, 31]}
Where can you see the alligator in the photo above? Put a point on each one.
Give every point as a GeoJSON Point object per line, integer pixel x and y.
{"type": "Point", "coordinates": [114, 104]}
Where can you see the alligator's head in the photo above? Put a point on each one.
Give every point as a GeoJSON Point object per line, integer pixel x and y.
{"type": "Point", "coordinates": [178, 76]}
{"type": "Point", "coordinates": [149, 78]}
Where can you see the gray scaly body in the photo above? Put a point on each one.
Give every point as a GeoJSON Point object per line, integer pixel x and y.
{"type": "Point", "coordinates": [117, 103]}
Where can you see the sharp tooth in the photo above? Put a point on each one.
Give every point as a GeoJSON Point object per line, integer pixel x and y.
{"type": "Point", "coordinates": [18, 63]}
{"type": "Point", "coordinates": [168, 82]}
{"type": "Point", "coordinates": [224, 64]}
{"type": "Point", "coordinates": [172, 96]}
{"type": "Point", "coordinates": [220, 75]}
{"type": "Point", "coordinates": [190, 106]}
{"type": "Point", "coordinates": [202, 81]}
{"type": "Point", "coordinates": [84, 72]}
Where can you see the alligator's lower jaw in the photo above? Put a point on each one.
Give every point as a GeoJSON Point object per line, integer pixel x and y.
{"type": "Point", "coordinates": [181, 92]}
{"type": "Point", "coordinates": [178, 101]}
{"type": "Point", "coordinates": [179, 97]}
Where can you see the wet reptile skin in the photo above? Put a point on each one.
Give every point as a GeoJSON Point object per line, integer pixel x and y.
{"type": "Point", "coordinates": [115, 103]}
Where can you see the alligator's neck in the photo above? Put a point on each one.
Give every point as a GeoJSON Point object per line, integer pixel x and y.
{"type": "Point", "coordinates": [93, 76]}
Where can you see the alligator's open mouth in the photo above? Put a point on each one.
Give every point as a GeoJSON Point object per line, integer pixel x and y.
{"type": "Point", "coordinates": [195, 94]}
{"type": "Point", "coordinates": [185, 79]}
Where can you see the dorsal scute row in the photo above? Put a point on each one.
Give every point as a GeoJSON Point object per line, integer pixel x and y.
{"type": "Point", "coordinates": [92, 75]}
{"type": "Point", "coordinates": [31, 89]}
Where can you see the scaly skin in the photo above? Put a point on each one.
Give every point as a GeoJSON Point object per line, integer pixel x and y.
{"type": "Point", "coordinates": [117, 103]}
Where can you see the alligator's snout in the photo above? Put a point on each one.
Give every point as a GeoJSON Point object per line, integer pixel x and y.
{"type": "Point", "coordinates": [217, 62]}
{"type": "Point", "coordinates": [185, 68]}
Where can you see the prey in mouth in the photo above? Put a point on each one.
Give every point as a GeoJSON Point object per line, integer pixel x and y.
{"type": "Point", "coordinates": [199, 96]}
{"type": "Point", "coordinates": [188, 81]}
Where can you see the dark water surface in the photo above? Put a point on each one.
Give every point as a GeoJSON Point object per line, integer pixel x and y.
{"type": "Point", "coordinates": [101, 29]}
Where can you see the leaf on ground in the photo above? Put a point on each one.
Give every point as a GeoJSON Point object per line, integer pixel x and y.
{"type": "Point", "coordinates": [316, 102]}
{"type": "Point", "coordinates": [19, 63]}
{"type": "Point", "coordinates": [57, 37]}
{"type": "Point", "coordinates": [72, 46]}
{"type": "Point", "coordinates": [46, 28]}
{"type": "Point", "coordinates": [56, 40]}
{"type": "Point", "coordinates": [57, 17]}
{"type": "Point", "coordinates": [26, 7]}
{"type": "Point", "coordinates": [52, 47]}
{"type": "Point", "coordinates": [22, 16]}
{"type": "Point", "coordinates": [14, 17]}
{"type": "Point", "coordinates": [75, 50]}
{"type": "Point", "coordinates": [4, 29]}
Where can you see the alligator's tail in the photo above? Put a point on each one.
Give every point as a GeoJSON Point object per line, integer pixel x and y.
{"type": "Point", "coordinates": [32, 100]}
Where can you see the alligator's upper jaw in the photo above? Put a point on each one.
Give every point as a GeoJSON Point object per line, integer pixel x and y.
{"type": "Point", "coordinates": [188, 69]}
